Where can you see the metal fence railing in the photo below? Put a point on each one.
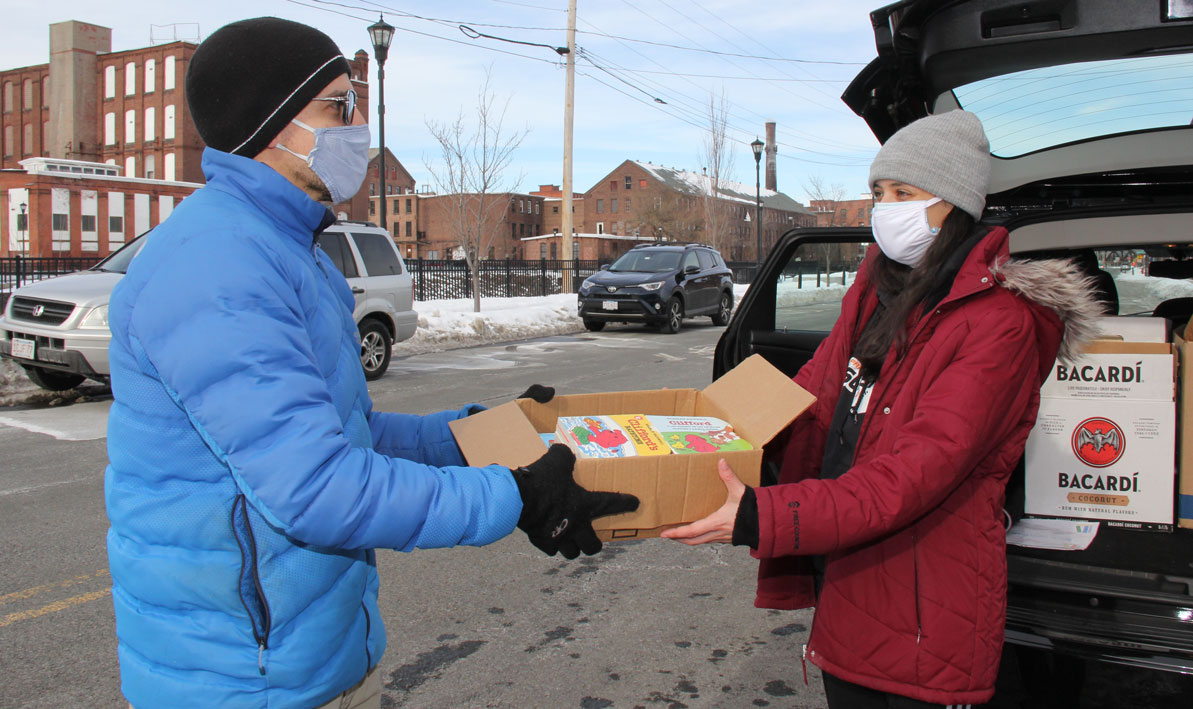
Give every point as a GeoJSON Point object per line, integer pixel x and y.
{"type": "Point", "coordinates": [16, 271]}
{"type": "Point", "coordinates": [445, 280]}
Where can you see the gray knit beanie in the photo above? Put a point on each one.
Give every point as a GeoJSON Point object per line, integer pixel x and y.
{"type": "Point", "coordinates": [946, 154]}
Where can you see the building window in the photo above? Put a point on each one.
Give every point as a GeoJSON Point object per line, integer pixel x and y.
{"type": "Point", "coordinates": [408, 201]}
{"type": "Point", "coordinates": [627, 204]}
{"type": "Point", "coordinates": [27, 97]}
{"type": "Point", "coordinates": [110, 81]}
{"type": "Point", "coordinates": [45, 92]}
{"type": "Point", "coordinates": [542, 251]}
{"type": "Point", "coordinates": [28, 145]}
{"type": "Point", "coordinates": [372, 207]}
{"type": "Point", "coordinates": [109, 128]}
{"type": "Point", "coordinates": [521, 206]}
{"type": "Point", "coordinates": [536, 207]}
{"type": "Point", "coordinates": [168, 168]}
{"type": "Point", "coordinates": [372, 189]}
{"type": "Point", "coordinates": [150, 75]}
{"type": "Point", "coordinates": [116, 225]}
{"type": "Point", "coordinates": [130, 126]}
{"type": "Point", "coordinates": [521, 230]}
{"type": "Point", "coordinates": [8, 140]}
{"type": "Point", "coordinates": [642, 183]}
{"type": "Point", "coordinates": [130, 79]}
{"type": "Point", "coordinates": [150, 124]}
{"type": "Point", "coordinates": [555, 209]}
{"type": "Point", "coordinates": [613, 205]}
{"type": "Point", "coordinates": [408, 228]}
{"type": "Point", "coordinates": [612, 185]}
{"type": "Point", "coordinates": [168, 123]}
{"type": "Point", "coordinates": [600, 227]}
{"type": "Point", "coordinates": [7, 96]}
{"type": "Point", "coordinates": [168, 79]}
{"type": "Point", "coordinates": [130, 167]}
{"type": "Point", "coordinates": [87, 222]}
{"type": "Point", "coordinates": [513, 231]}
{"type": "Point", "coordinates": [628, 181]}
{"type": "Point", "coordinates": [150, 166]}
{"type": "Point", "coordinates": [600, 206]}
{"type": "Point", "coordinates": [554, 251]}
{"type": "Point", "coordinates": [60, 222]}
{"type": "Point", "coordinates": [395, 204]}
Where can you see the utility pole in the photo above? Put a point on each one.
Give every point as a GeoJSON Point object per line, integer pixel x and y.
{"type": "Point", "coordinates": [569, 106]}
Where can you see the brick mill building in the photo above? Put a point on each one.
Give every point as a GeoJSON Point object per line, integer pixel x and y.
{"type": "Point", "coordinates": [93, 107]}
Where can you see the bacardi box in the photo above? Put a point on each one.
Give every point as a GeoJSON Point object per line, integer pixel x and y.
{"type": "Point", "coordinates": [1104, 443]}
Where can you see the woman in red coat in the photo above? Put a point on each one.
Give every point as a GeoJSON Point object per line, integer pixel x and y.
{"type": "Point", "coordinates": [888, 512]}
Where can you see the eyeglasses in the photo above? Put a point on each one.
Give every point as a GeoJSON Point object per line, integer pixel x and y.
{"type": "Point", "coordinates": [347, 105]}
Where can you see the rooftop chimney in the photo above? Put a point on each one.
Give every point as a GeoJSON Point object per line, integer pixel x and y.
{"type": "Point", "coordinates": [772, 152]}
{"type": "Point", "coordinates": [74, 133]}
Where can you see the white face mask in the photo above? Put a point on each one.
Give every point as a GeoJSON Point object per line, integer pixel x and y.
{"type": "Point", "coordinates": [340, 158]}
{"type": "Point", "coordinates": [902, 230]}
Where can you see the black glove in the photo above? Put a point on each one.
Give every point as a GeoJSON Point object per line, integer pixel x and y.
{"type": "Point", "coordinates": [557, 513]}
{"type": "Point", "coordinates": [539, 393]}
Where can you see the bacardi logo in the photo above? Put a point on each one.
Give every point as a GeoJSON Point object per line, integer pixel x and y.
{"type": "Point", "coordinates": [1098, 442]}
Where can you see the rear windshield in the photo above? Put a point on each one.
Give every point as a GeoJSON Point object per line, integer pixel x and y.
{"type": "Point", "coordinates": [647, 261]}
{"type": "Point", "coordinates": [1041, 108]}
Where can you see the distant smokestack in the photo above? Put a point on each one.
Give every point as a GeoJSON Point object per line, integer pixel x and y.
{"type": "Point", "coordinates": [772, 151]}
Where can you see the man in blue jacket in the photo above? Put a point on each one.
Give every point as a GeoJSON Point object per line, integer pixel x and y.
{"type": "Point", "coordinates": [250, 479]}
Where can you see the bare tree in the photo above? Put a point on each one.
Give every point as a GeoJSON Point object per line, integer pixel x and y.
{"type": "Point", "coordinates": [827, 199]}
{"type": "Point", "coordinates": [471, 174]}
{"type": "Point", "coordinates": [717, 157]}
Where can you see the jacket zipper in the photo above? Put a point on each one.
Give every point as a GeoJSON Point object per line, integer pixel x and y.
{"type": "Point", "coordinates": [261, 635]}
{"type": "Point", "coordinates": [368, 630]}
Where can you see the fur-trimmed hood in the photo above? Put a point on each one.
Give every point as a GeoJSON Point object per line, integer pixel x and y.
{"type": "Point", "coordinates": [1064, 288]}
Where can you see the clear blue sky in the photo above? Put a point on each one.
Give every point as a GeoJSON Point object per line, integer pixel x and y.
{"type": "Point", "coordinates": [434, 70]}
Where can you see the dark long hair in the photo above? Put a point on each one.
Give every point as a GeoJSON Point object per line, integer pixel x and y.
{"type": "Point", "coordinates": [902, 289]}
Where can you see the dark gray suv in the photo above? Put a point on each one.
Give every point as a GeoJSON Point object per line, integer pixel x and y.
{"type": "Point", "coordinates": [659, 285]}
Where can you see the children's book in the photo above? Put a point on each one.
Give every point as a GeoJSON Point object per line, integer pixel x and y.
{"type": "Point", "coordinates": [616, 436]}
{"type": "Point", "coordinates": [698, 434]}
{"type": "Point", "coordinates": [548, 438]}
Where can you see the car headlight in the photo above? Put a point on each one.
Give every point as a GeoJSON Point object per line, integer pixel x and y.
{"type": "Point", "coordinates": [652, 286]}
{"type": "Point", "coordinates": [97, 319]}
{"type": "Point", "coordinates": [587, 284]}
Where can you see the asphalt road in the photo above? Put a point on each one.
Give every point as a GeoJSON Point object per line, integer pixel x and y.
{"type": "Point", "coordinates": [646, 623]}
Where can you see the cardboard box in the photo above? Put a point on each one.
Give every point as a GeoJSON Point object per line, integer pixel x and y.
{"type": "Point", "coordinates": [1103, 446]}
{"type": "Point", "coordinates": [1184, 488]}
{"type": "Point", "coordinates": [757, 399]}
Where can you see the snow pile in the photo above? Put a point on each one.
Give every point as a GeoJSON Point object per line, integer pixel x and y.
{"type": "Point", "coordinates": [448, 324]}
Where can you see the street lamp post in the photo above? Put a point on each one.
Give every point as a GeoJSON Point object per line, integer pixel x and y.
{"type": "Point", "coordinates": [756, 146]}
{"type": "Point", "coordinates": [23, 223]}
{"type": "Point", "coordinates": [381, 34]}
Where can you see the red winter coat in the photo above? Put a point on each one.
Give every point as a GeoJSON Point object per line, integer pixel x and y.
{"type": "Point", "coordinates": [914, 595]}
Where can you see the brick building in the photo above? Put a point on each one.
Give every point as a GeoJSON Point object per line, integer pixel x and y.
{"type": "Point", "coordinates": [77, 208]}
{"type": "Point", "coordinates": [510, 218]}
{"type": "Point", "coordinates": [846, 212]}
{"type": "Point", "coordinates": [401, 206]}
{"type": "Point", "coordinates": [125, 108]}
{"type": "Point", "coordinates": [644, 200]}
{"type": "Point", "coordinates": [552, 204]}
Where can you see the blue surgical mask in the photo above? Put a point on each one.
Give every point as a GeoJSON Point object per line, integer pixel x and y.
{"type": "Point", "coordinates": [340, 158]}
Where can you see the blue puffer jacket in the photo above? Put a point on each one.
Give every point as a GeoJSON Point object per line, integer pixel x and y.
{"type": "Point", "coordinates": [249, 477]}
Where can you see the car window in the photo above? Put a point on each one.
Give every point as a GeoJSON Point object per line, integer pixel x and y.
{"type": "Point", "coordinates": [706, 260]}
{"type": "Point", "coordinates": [1040, 108]}
{"type": "Point", "coordinates": [377, 251]}
{"type": "Point", "coordinates": [812, 285]}
{"type": "Point", "coordinates": [335, 245]}
{"type": "Point", "coordinates": [1138, 291]}
{"type": "Point", "coordinates": [689, 259]}
{"type": "Point", "coordinates": [647, 261]}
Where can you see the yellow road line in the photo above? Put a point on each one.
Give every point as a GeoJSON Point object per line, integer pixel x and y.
{"type": "Point", "coordinates": [30, 592]}
{"type": "Point", "coordinates": [53, 607]}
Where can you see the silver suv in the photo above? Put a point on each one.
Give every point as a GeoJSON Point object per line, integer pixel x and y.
{"type": "Point", "coordinates": [57, 329]}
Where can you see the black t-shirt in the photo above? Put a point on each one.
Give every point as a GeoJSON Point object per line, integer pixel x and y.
{"type": "Point", "coordinates": [847, 422]}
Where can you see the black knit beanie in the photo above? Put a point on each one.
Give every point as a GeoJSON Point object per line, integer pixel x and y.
{"type": "Point", "coordinates": [250, 78]}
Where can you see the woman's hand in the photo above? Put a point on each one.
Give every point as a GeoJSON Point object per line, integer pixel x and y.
{"type": "Point", "coordinates": [718, 526]}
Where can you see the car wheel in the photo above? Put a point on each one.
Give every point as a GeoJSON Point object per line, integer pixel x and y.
{"type": "Point", "coordinates": [376, 345]}
{"type": "Point", "coordinates": [672, 316]}
{"type": "Point", "coordinates": [54, 380]}
{"type": "Point", "coordinates": [594, 325]}
{"type": "Point", "coordinates": [726, 306]}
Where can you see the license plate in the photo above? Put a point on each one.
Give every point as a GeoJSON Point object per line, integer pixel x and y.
{"type": "Point", "coordinates": [25, 349]}
{"type": "Point", "coordinates": [609, 304]}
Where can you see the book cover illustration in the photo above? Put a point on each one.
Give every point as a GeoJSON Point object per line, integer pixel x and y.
{"type": "Point", "coordinates": [698, 434]}
{"type": "Point", "coordinates": [548, 438]}
{"type": "Point", "coordinates": [616, 436]}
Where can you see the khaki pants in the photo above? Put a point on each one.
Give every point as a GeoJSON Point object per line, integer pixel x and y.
{"type": "Point", "coordinates": [366, 694]}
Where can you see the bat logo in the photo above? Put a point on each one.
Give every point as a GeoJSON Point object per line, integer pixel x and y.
{"type": "Point", "coordinates": [1098, 442]}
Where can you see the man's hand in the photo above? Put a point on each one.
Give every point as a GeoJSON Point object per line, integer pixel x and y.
{"type": "Point", "coordinates": [557, 513]}
{"type": "Point", "coordinates": [718, 526]}
{"type": "Point", "coordinates": [539, 393]}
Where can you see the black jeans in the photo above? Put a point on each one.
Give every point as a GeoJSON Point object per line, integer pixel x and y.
{"type": "Point", "coordinates": [847, 695]}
